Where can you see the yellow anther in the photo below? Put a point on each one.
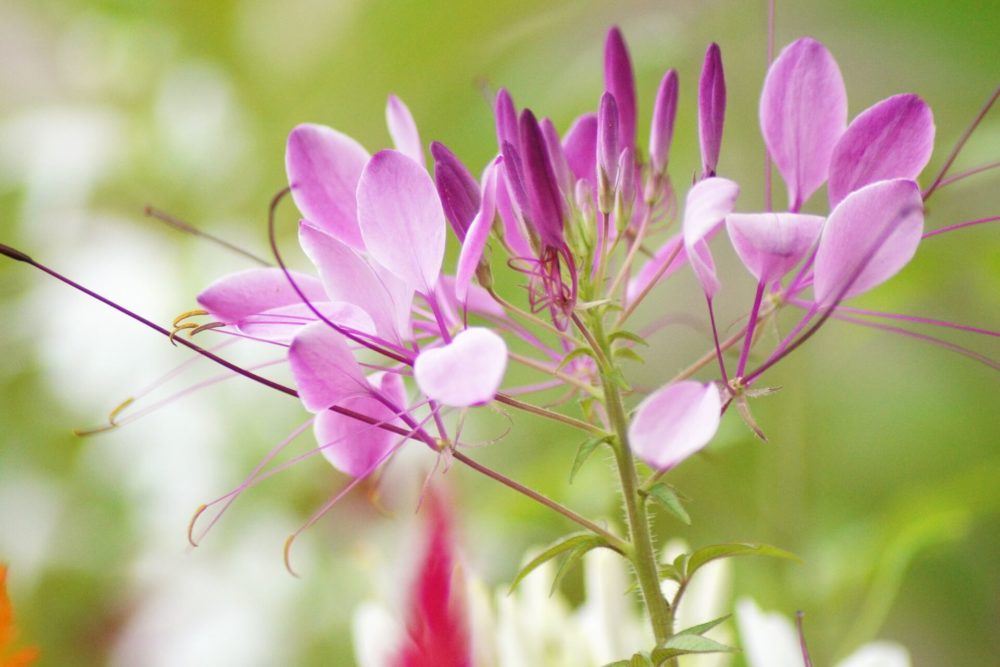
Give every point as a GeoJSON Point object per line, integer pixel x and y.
{"type": "Point", "coordinates": [197, 312]}
{"type": "Point", "coordinates": [112, 421]}
{"type": "Point", "coordinates": [177, 329]}
{"type": "Point", "coordinates": [194, 519]}
{"type": "Point", "coordinates": [205, 327]}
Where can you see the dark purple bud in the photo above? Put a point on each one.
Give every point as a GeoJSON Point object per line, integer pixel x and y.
{"type": "Point", "coordinates": [607, 150]}
{"type": "Point", "coordinates": [711, 109]}
{"type": "Point", "coordinates": [506, 119]}
{"type": "Point", "coordinates": [458, 190]}
{"type": "Point", "coordinates": [515, 175]}
{"type": "Point", "coordinates": [620, 82]}
{"type": "Point", "coordinates": [661, 132]}
{"type": "Point", "coordinates": [545, 198]}
{"type": "Point", "coordinates": [553, 144]}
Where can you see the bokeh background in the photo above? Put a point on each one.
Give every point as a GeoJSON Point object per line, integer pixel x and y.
{"type": "Point", "coordinates": [884, 452]}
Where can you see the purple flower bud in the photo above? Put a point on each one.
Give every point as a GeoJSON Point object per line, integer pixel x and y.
{"type": "Point", "coordinates": [620, 82]}
{"type": "Point", "coordinates": [546, 204]}
{"type": "Point", "coordinates": [554, 147]}
{"type": "Point", "coordinates": [607, 150]}
{"type": "Point", "coordinates": [515, 175]}
{"type": "Point", "coordinates": [711, 109]}
{"type": "Point", "coordinates": [626, 178]}
{"type": "Point", "coordinates": [661, 132]}
{"type": "Point", "coordinates": [457, 188]}
{"type": "Point", "coordinates": [506, 119]}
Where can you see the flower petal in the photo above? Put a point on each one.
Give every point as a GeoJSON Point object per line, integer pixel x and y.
{"type": "Point", "coordinates": [514, 234]}
{"type": "Point", "coordinates": [674, 422]}
{"type": "Point", "coordinates": [349, 277]}
{"type": "Point", "coordinates": [770, 244]}
{"type": "Point", "coordinates": [661, 132]}
{"type": "Point", "coordinates": [401, 218]}
{"type": "Point", "coordinates": [867, 239]}
{"type": "Point", "coordinates": [878, 654]}
{"type": "Point", "coordinates": [803, 112]}
{"type": "Point", "coordinates": [541, 187]}
{"type": "Point", "coordinates": [238, 295]}
{"type": "Point", "coordinates": [279, 325]}
{"type": "Point", "coordinates": [708, 203]}
{"type": "Point", "coordinates": [323, 168]}
{"type": "Point", "coordinates": [506, 120]}
{"type": "Point", "coordinates": [479, 231]}
{"type": "Point", "coordinates": [324, 369]}
{"type": "Point", "coordinates": [892, 139]}
{"type": "Point", "coordinates": [467, 371]}
{"type": "Point", "coordinates": [769, 639]}
{"type": "Point", "coordinates": [580, 146]}
{"type": "Point", "coordinates": [403, 130]}
{"type": "Point", "coordinates": [354, 447]}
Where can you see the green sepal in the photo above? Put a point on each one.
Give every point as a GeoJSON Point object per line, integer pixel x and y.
{"type": "Point", "coordinates": [566, 544]}
{"type": "Point", "coordinates": [717, 551]}
{"type": "Point", "coordinates": [628, 353]}
{"type": "Point", "coordinates": [622, 334]}
{"type": "Point", "coordinates": [687, 644]}
{"type": "Point", "coordinates": [586, 448]}
{"type": "Point", "coordinates": [702, 628]}
{"type": "Point", "coordinates": [667, 498]}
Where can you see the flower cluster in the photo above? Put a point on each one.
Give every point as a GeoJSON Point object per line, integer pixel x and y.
{"type": "Point", "coordinates": [388, 345]}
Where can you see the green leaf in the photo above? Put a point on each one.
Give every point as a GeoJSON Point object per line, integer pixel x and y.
{"type": "Point", "coordinates": [702, 628]}
{"type": "Point", "coordinates": [629, 336]}
{"type": "Point", "coordinates": [663, 494]}
{"type": "Point", "coordinates": [576, 352]}
{"type": "Point", "coordinates": [628, 353]}
{"type": "Point", "coordinates": [670, 572]}
{"type": "Point", "coordinates": [717, 551]}
{"type": "Point", "coordinates": [618, 663]}
{"type": "Point", "coordinates": [639, 660]}
{"type": "Point", "coordinates": [572, 559]}
{"type": "Point", "coordinates": [586, 448]}
{"type": "Point", "coordinates": [681, 565]}
{"type": "Point", "coordinates": [566, 544]}
{"type": "Point", "coordinates": [686, 644]}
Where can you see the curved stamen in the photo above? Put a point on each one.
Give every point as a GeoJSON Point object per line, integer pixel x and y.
{"type": "Point", "coordinates": [906, 318]}
{"type": "Point", "coordinates": [961, 143]}
{"type": "Point", "coordinates": [960, 225]}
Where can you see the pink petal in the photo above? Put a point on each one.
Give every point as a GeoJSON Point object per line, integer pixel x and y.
{"type": "Point", "coordinates": [649, 270]}
{"type": "Point", "coordinates": [280, 325]}
{"type": "Point", "coordinates": [708, 203]}
{"type": "Point", "coordinates": [513, 230]}
{"type": "Point", "coordinates": [674, 422]}
{"type": "Point", "coordinates": [620, 82]}
{"type": "Point", "coordinates": [770, 244]}
{"type": "Point", "coordinates": [580, 146]}
{"type": "Point", "coordinates": [403, 130]}
{"type": "Point", "coordinates": [867, 239]}
{"type": "Point", "coordinates": [892, 139]}
{"type": "Point", "coordinates": [467, 371]}
{"type": "Point", "coordinates": [353, 446]}
{"type": "Point", "coordinates": [479, 231]}
{"type": "Point", "coordinates": [803, 112]}
{"type": "Point", "coordinates": [323, 168]}
{"type": "Point", "coordinates": [238, 295]}
{"type": "Point", "coordinates": [324, 369]}
{"type": "Point", "coordinates": [506, 119]}
{"type": "Point", "coordinates": [349, 277]}
{"type": "Point", "coordinates": [401, 219]}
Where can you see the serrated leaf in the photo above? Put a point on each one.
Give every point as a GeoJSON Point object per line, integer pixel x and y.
{"type": "Point", "coordinates": [573, 354]}
{"type": "Point", "coordinates": [629, 336]}
{"type": "Point", "coordinates": [686, 644]}
{"type": "Point", "coordinates": [586, 448]}
{"type": "Point", "coordinates": [628, 353]}
{"type": "Point", "coordinates": [666, 497]}
{"type": "Point", "coordinates": [572, 559]}
{"type": "Point", "coordinates": [717, 551]}
{"type": "Point", "coordinates": [702, 628]}
{"type": "Point", "coordinates": [559, 547]}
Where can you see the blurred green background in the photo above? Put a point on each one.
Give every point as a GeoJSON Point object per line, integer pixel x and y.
{"type": "Point", "coordinates": [883, 459]}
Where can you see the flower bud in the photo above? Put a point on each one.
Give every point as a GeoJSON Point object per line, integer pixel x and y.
{"type": "Point", "coordinates": [607, 151]}
{"type": "Point", "coordinates": [661, 132]}
{"type": "Point", "coordinates": [711, 109]}
{"type": "Point", "coordinates": [457, 188]}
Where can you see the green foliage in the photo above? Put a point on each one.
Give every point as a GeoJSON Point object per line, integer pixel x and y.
{"type": "Point", "coordinates": [687, 644]}
{"type": "Point", "coordinates": [667, 498]}
{"type": "Point", "coordinates": [576, 544]}
{"type": "Point", "coordinates": [583, 452]}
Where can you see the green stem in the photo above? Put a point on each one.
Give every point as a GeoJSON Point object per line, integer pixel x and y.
{"type": "Point", "coordinates": [643, 555]}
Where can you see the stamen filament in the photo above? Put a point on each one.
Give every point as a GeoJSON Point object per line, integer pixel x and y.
{"type": "Point", "coordinates": [961, 143]}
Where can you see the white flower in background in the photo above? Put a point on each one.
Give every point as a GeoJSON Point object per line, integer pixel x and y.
{"type": "Point", "coordinates": [770, 640]}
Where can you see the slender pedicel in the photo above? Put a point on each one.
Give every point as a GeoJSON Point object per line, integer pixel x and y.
{"type": "Point", "coordinates": [715, 338]}
{"type": "Point", "coordinates": [905, 318]}
{"type": "Point", "coordinates": [967, 173]}
{"type": "Point", "coordinates": [960, 225]}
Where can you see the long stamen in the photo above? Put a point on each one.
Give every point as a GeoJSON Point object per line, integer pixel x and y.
{"type": "Point", "coordinates": [649, 286]}
{"type": "Point", "coordinates": [960, 225]}
{"type": "Point", "coordinates": [188, 228]}
{"type": "Point", "coordinates": [768, 175]}
{"type": "Point", "coordinates": [968, 172]}
{"type": "Point", "coordinates": [715, 337]}
{"type": "Point", "coordinates": [961, 143]}
{"type": "Point", "coordinates": [802, 639]}
{"type": "Point", "coordinates": [906, 318]}
{"type": "Point", "coordinates": [751, 327]}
